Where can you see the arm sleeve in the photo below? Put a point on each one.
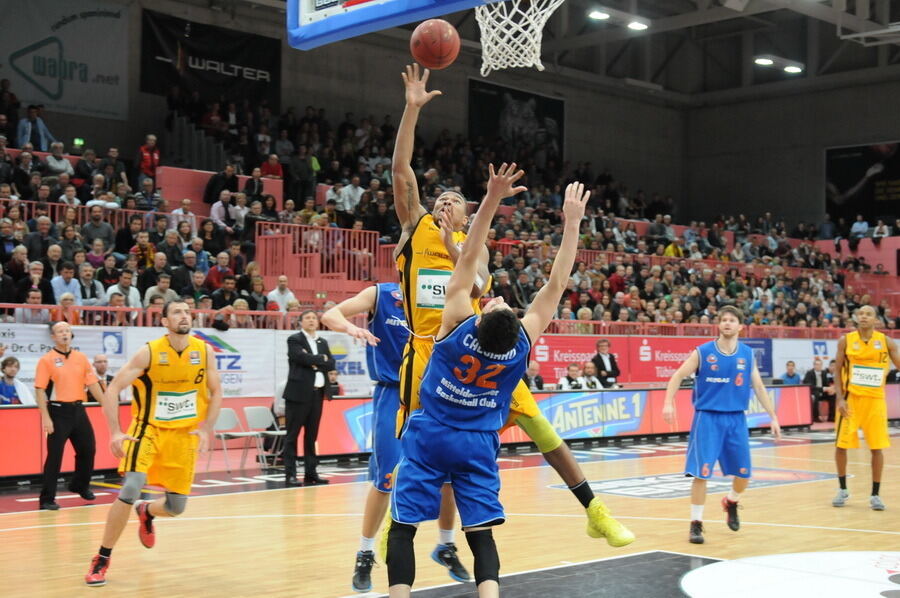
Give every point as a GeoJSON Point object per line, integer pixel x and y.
{"type": "Point", "coordinates": [42, 374]}
{"type": "Point", "coordinates": [296, 353]}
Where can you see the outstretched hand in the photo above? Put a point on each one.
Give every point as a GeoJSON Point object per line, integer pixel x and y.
{"type": "Point", "coordinates": [415, 86]}
{"type": "Point", "coordinates": [575, 202]}
{"type": "Point", "coordinates": [500, 184]}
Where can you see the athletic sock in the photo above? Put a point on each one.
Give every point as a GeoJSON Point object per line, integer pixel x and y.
{"type": "Point", "coordinates": [366, 544]}
{"type": "Point", "coordinates": [105, 552]}
{"type": "Point", "coordinates": [734, 496]}
{"type": "Point", "coordinates": [445, 536]}
{"type": "Point", "coordinates": [696, 512]}
{"type": "Point", "coordinates": [876, 486]}
{"type": "Point", "coordinates": [583, 493]}
{"type": "Point", "coordinates": [842, 480]}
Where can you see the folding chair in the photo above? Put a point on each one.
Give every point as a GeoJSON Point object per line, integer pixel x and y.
{"type": "Point", "coordinates": [228, 427]}
{"type": "Point", "coordinates": [259, 420]}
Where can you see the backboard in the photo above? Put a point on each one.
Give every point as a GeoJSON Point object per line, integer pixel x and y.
{"type": "Point", "coordinates": [314, 23]}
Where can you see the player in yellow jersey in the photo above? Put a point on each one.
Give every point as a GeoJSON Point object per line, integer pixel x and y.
{"type": "Point", "coordinates": [177, 397]}
{"type": "Point", "coordinates": [426, 254]}
{"type": "Point", "coordinates": [863, 361]}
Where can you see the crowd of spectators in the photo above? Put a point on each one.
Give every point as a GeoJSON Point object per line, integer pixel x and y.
{"type": "Point", "coordinates": [164, 254]}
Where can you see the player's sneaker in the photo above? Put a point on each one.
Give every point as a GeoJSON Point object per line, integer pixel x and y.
{"type": "Point", "coordinates": [362, 572]}
{"type": "Point", "coordinates": [96, 575]}
{"type": "Point", "coordinates": [445, 554]}
{"type": "Point", "coordinates": [731, 515]}
{"type": "Point", "coordinates": [696, 532]}
{"type": "Point", "coordinates": [146, 533]}
{"type": "Point", "coordinates": [876, 503]}
{"type": "Point", "coordinates": [602, 525]}
{"type": "Point", "coordinates": [840, 499]}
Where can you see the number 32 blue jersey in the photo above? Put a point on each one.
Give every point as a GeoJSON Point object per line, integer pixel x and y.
{"type": "Point", "coordinates": [467, 388]}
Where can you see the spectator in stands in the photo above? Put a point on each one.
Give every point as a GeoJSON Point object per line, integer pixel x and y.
{"type": "Point", "coordinates": [112, 167]}
{"type": "Point", "coordinates": [8, 241]}
{"type": "Point", "coordinates": [197, 287]}
{"type": "Point", "coordinates": [162, 288]}
{"type": "Point", "coordinates": [147, 160]}
{"type": "Point", "coordinates": [790, 376]}
{"type": "Point", "coordinates": [12, 390]}
{"type": "Point", "coordinates": [346, 204]}
{"type": "Point", "coordinates": [282, 295]}
{"type": "Point", "coordinates": [221, 181]}
{"type": "Point", "coordinates": [150, 276]}
{"type": "Point", "coordinates": [18, 264]}
{"type": "Point", "coordinates": [203, 256]}
{"type": "Point", "coordinates": [183, 214]}
{"type": "Point", "coordinates": [108, 275]}
{"type": "Point", "coordinates": [220, 213]}
{"type": "Point", "coordinates": [101, 368]}
{"type": "Point", "coordinates": [881, 231]}
{"type": "Point", "coordinates": [226, 293]}
{"type": "Point", "coordinates": [28, 315]}
{"type": "Point", "coordinates": [271, 168]}
{"type": "Point", "coordinates": [220, 271]}
{"type": "Point", "coordinates": [572, 379]}
{"type": "Point", "coordinates": [91, 292]}
{"type": "Point", "coordinates": [185, 235]}
{"type": "Point", "coordinates": [35, 280]}
{"type": "Point", "coordinates": [70, 242]}
{"type": "Point", "coordinates": [606, 366]}
{"type": "Point", "coordinates": [56, 163]}
{"type": "Point", "coordinates": [213, 237]}
{"type": "Point", "coordinates": [127, 237]}
{"type": "Point", "coordinates": [143, 250]}
{"type": "Point", "coordinates": [66, 283]}
{"type": "Point", "coordinates": [67, 310]}
{"type": "Point", "coordinates": [239, 320]}
{"type": "Point", "coordinates": [158, 230]}
{"type": "Point", "coordinates": [125, 287]}
{"type": "Point", "coordinates": [171, 247]}
{"type": "Point", "coordinates": [248, 237]}
{"type": "Point", "coordinates": [148, 198]}
{"type": "Point", "coordinates": [257, 298]}
{"type": "Point", "coordinates": [254, 187]}
{"type": "Point", "coordinates": [533, 377]}
{"type": "Point", "coordinates": [181, 274]}
{"type": "Point", "coordinates": [302, 168]}
{"type": "Point", "coordinates": [117, 317]}
{"type": "Point", "coordinates": [822, 390]}
{"type": "Point", "coordinates": [589, 380]}
{"type": "Point", "coordinates": [40, 240]}
{"type": "Point", "coordinates": [309, 210]}
{"type": "Point", "coordinates": [32, 130]}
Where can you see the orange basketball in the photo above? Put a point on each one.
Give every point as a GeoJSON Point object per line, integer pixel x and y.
{"type": "Point", "coordinates": [435, 44]}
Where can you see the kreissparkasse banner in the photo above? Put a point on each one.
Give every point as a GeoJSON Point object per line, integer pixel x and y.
{"type": "Point", "coordinates": [217, 62]}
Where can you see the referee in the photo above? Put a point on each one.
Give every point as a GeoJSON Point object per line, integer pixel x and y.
{"type": "Point", "coordinates": [59, 383]}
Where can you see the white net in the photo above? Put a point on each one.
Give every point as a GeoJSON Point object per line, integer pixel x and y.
{"type": "Point", "coordinates": [511, 33]}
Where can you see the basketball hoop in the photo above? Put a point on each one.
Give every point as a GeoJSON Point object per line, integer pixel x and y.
{"type": "Point", "coordinates": [511, 33]}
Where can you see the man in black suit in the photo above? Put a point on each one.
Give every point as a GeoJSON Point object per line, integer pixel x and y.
{"type": "Point", "coordinates": [607, 368]}
{"type": "Point", "coordinates": [220, 182]}
{"type": "Point", "coordinates": [821, 387]}
{"type": "Point", "coordinates": [532, 378]}
{"type": "Point", "coordinates": [310, 361]}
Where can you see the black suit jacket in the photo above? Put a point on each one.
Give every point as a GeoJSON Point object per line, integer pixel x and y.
{"type": "Point", "coordinates": [303, 367]}
{"type": "Point", "coordinates": [538, 381]}
{"type": "Point", "coordinates": [810, 379]}
{"type": "Point", "coordinates": [612, 372]}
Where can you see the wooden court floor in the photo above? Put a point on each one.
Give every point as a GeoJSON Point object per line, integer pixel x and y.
{"type": "Point", "coordinates": [302, 542]}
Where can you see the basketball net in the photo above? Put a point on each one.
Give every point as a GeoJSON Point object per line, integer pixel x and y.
{"type": "Point", "coordinates": [511, 33]}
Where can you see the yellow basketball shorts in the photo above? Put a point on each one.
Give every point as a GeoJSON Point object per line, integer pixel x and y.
{"type": "Point", "coordinates": [166, 455]}
{"type": "Point", "coordinates": [412, 368]}
{"type": "Point", "coordinates": [868, 414]}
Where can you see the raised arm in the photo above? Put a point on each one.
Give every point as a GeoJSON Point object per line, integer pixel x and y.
{"type": "Point", "coordinates": [139, 362]}
{"type": "Point", "coordinates": [406, 191]}
{"type": "Point", "coordinates": [458, 305]}
{"type": "Point", "coordinates": [336, 317]}
{"type": "Point", "coordinates": [542, 309]}
{"type": "Point", "coordinates": [454, 250]}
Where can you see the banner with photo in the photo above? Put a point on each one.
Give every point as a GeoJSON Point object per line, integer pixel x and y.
{"type": "Point", "coordinates": [521, 119]}
{"type": "Point", "coordinates": [72, 57]}
{"type": "Point", "coordinates": [863, 179]}
{"type": "Point", "coordinates": [216, 62]}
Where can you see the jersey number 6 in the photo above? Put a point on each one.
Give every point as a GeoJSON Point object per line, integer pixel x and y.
{"type": "Point", "coordinates": [473, 368]}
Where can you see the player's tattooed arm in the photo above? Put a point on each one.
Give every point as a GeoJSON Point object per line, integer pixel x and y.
{"type": "Point", "coordinates": [406, 202]}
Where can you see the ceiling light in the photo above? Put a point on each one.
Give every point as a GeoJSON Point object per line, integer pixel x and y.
{"type": "Point", "coordinates": [764, 61]}
{"type": "Point", "coordinates": [793, 69]}
{"type": "Point", "coordinates": [598, 15]}
{"type": "Point", "coordinates": [637, 26]}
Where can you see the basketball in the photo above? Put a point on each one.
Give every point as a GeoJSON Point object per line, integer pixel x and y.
{"type": "Point", "coordinates": [435, 44]}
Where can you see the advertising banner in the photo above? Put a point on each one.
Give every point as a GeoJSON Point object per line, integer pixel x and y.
{"type": "Point", "coordinates": [803, 352]}
{"type": "Point", "coordinates": [213, 61]}
{"type": "Point", "coordinates": [72, 57]}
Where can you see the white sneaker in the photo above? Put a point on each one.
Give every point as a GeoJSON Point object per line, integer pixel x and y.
{"type": "Point", "coordinates": [876, 503]}
{"type": "Point", "coordinates": [840, 499]}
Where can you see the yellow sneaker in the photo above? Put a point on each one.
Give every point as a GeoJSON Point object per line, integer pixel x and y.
{"type": "Point", "coordinates": [602, 525]}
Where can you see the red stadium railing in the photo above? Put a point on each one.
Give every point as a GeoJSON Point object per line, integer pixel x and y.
{"type": "Point", "coordinates": [593, 327]}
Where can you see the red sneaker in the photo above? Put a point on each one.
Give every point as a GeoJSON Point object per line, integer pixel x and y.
{"type": "Point", "coordinates": [731, 514]}
{"type": "Point", "coordinates": [145, 524]}
{"type": "Point", "coordinates": [96, 575]}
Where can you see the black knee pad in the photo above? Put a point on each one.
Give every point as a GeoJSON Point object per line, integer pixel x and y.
{"type": "Point", "coordinates": [401, 559]}
{"type": "Point", "coordinates": [487, 561]}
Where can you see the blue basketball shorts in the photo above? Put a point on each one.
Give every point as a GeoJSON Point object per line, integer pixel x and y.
{"type": "Point", "coordinates": [433, 454]}
{"type": "Point", "coordinates": [385, 445]}
{"type": "Point", "coordinates": [718, 436]}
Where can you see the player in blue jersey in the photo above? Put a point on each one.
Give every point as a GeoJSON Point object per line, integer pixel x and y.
{"type": "Point", "coordinates": [465, 397]}
{"type": "Point", "coordinates": [726, 377]}
{"type": "Point", "coordinates": [385, 336]}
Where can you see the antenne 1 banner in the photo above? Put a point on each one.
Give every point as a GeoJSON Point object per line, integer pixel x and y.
{"type": "Point", "coordinates": [72, 57]}
{"type": "Point", "coordinates": [216, 62]}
